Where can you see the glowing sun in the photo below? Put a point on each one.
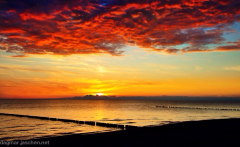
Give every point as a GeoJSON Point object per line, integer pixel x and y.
{"type": "Point", "coordinates": [100, 94]}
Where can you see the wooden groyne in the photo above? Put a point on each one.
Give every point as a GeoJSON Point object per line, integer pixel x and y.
{"type": "Point", "coordinates": [93, 123]}
{"type": "Point", "coordinates": [205, 108]}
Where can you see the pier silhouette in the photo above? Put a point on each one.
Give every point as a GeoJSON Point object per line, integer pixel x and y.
{"type": "Point", "coordinates": [93, 123]}
{"type": "Point", "coordinates": [205, 108]}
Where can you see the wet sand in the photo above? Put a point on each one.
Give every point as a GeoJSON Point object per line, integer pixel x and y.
{"type": "Point", "coordinates": [222, 132]}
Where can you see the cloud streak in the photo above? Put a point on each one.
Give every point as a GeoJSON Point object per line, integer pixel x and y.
{"type": "Point", "coordinates": [236, 68]}
{"type": "Point", "coordinates": [99, 26]}
{"type": "Point", "coordinates": [21, 68]}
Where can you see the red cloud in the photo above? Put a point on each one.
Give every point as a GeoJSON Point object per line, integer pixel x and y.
{"type": "Point", "coordinates": [82, 27]}
{"type": "Point", "coordinates": [235, 47]}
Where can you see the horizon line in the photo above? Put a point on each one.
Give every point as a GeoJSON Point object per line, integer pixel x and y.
{"type": "Point", "coordinates": [116, 97]}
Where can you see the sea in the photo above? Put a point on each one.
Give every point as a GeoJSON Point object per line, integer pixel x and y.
{"type": "Point", "coordinates": [122, 112]}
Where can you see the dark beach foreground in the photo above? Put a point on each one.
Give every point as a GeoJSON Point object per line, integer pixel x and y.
{"type": "Point", "coordinates": [221, 132]}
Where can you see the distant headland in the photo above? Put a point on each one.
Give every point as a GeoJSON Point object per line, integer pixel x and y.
{"type": "Point", "coordinates": [94, 97]}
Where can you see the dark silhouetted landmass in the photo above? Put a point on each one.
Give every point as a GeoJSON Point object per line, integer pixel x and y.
{"type": "Point", "coordinates": [210, 133]}
{"type": "Point", "coordinates": [94, 97]}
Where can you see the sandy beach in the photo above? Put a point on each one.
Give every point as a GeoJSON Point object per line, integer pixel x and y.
{"type": "Point", "coordinates": [221, 132]}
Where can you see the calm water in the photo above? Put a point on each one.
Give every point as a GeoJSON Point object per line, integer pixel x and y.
{"type": "Point", "coordinates": [137, 113]}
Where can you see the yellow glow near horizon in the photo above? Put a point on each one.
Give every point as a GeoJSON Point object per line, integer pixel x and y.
{"type": "Point", "coordinates": [100, 94]}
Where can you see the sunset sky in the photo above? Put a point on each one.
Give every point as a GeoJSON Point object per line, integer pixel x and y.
{"type": "Point", "coordinates": [53, 48]}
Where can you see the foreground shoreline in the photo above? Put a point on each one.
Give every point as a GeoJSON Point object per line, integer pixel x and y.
{"type": "Point", "coordinates": [217, 132]}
